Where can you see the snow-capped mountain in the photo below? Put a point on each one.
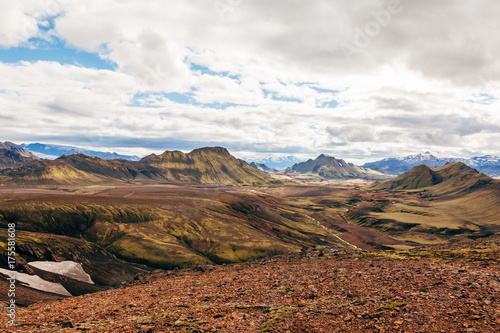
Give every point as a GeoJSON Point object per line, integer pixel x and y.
{"type": "Point", "coordinates": [54, 151]}
{"type": "Point", "coordinates": [276, 162]}
{"type": "Point", "coordinates": [487, 164]}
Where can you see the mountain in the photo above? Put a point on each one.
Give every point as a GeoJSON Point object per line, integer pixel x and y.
{"type": "Point", "coordinates": [487, 164]}
{"type": "Point", "coordinates": [264, 168]}
{"type": "Point", "coordinates": [54, 151]}
{"type": "Point", "coordinates": [206, 165]}
{"type": "Point", "coordinates": [12, 155]}
{"type": "Point", "coordinates": [201, 166]}
{"type": "Point", "coordinates": [452, 176]}
{"type": "Point", "coordinates": [18, 149]}
{"type": "Point", "coordinates": [331, 168]}
{"type": "Point", "coordinates": [9, 158]}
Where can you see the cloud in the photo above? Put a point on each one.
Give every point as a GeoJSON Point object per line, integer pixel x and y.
{"type": "Point", "coordinates": [267, 76]}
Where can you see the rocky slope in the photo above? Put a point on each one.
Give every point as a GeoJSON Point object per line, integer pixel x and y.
{"type": "Point", "coordinates": [18, 149]}
{"type": "Point", "coordinates": [324, 290]}
{"type": "Point", "coordinates": [12, 155]}
{"type": "Point", "coordinates": [329, 167]}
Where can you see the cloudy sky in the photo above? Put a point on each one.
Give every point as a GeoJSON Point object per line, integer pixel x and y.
{"type": "Point", "coordinates": [359, 80]}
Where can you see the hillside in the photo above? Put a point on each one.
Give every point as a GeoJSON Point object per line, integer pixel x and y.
{"type": "Point", "coordinates": [201, 166]}
{"type": "Point", "coordinates": [329, 167]}
{"type": "Point", "coordinates": [431, 205]}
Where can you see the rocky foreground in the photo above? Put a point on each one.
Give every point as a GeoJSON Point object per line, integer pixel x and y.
{"type": "Point", "coordinates": [437, 289]}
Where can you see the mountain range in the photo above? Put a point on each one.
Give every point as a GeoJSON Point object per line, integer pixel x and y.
{"type": "Point", "coordinates": [201, 166]}
{"type": "Point", "coordinates": [277, 162]}
{"type": "Point", "coordinates": [55, 151]}
{"type": "Point", "coordinates": [324, 166]}
{"type": "Point", "coordinates": [487, 164]}
{"type": "Point", "coordinates": [264, 168]}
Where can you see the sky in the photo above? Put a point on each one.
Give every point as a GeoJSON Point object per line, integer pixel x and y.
{"type": "Point", "coordinates": [359, 80]}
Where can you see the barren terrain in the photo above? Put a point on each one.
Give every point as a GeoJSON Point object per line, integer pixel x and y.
{"type": "Point", "coordinates": [322, 290]}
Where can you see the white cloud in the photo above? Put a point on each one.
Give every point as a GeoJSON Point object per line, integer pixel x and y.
{"type": "Point", "coordinates": [426, 77]}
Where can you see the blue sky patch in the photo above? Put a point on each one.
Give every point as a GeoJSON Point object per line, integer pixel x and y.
{"type": "Point", "coordinates": [332, 104]}
{"type": "Point", "coordinates": [206, 70]}
{"type": "Point", "coordinates": [52, 49]}
{"type": "Point", "coordinates": [148, 100]}
{"type": "Point", "coordinates": [275, 97]}
{"type": "Point", "coordinates": [486, 99]}
{"type": "Point", "coordinates": [322, 90]}
{"type": "Point", "coordinates": [56, 52]}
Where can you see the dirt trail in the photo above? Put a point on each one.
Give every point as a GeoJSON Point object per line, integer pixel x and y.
{"type": "Point", "coordinates": [333, 233]}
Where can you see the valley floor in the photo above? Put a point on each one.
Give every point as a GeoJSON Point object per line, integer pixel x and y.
{"type": "Point", "coordinates": [439, 288]}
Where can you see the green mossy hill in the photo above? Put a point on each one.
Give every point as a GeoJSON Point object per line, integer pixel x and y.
{"type": "Point", "coordinates": [452, 176]}
{"type": "Point", "coordinates": [67, 170]}
{"type": "Point", "coordinates": [102, 266]}
{"type": "Point", "coordinates": [206, 165]}
{"type": "Point", "coordinates": [176, 227]}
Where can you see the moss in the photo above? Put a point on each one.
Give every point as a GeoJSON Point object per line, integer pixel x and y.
{"type": "Point", "coordinates": [391, 306]}
{"type": "Point", "coordinates": [278, 314]}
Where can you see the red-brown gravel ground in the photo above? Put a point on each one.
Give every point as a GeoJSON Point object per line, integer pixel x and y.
{"type": "Point", "coordinates": [317, 291]}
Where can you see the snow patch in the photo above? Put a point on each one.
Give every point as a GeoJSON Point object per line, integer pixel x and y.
{"type": "Point", "coordinates": [69, 269]}
{"type": "Point", "coordinates": [36, 282]}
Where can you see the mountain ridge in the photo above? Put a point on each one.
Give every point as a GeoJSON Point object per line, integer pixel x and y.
{"type": "Point", "coordinates": [488, 164]}
{"type": "Point", "coordinates": [54, 151]}
{"type": "Point", "coordinates": [264, 168]}
{"type": "Point", "coordinates": [201, 166]}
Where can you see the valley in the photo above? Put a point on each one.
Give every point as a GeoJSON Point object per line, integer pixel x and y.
{"type": "Point", "coordinates": [141, 227]}
{"type": "Point", "coordinates": [87, 226]}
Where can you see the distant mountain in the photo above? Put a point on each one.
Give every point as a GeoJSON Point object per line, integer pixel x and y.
{"type": "Point", "coordinates": [263, 168]}
{"type": "Point", "coordinates": [55, 151]}
{"type": "Point", "coordinates": [331, 168]}
{"type": "Point", "coordinates": [454, 177]}
{"type": "Point", "coordinates": [487, 164]}
{"type": "Point", "coordinates": [12, 155]}
{"type": "Point", "coordinates": [18, 149]}
{"type": "Point", "coordinates": [201, 166]}
{"type": "Point", "coordinates": [278, 162]}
